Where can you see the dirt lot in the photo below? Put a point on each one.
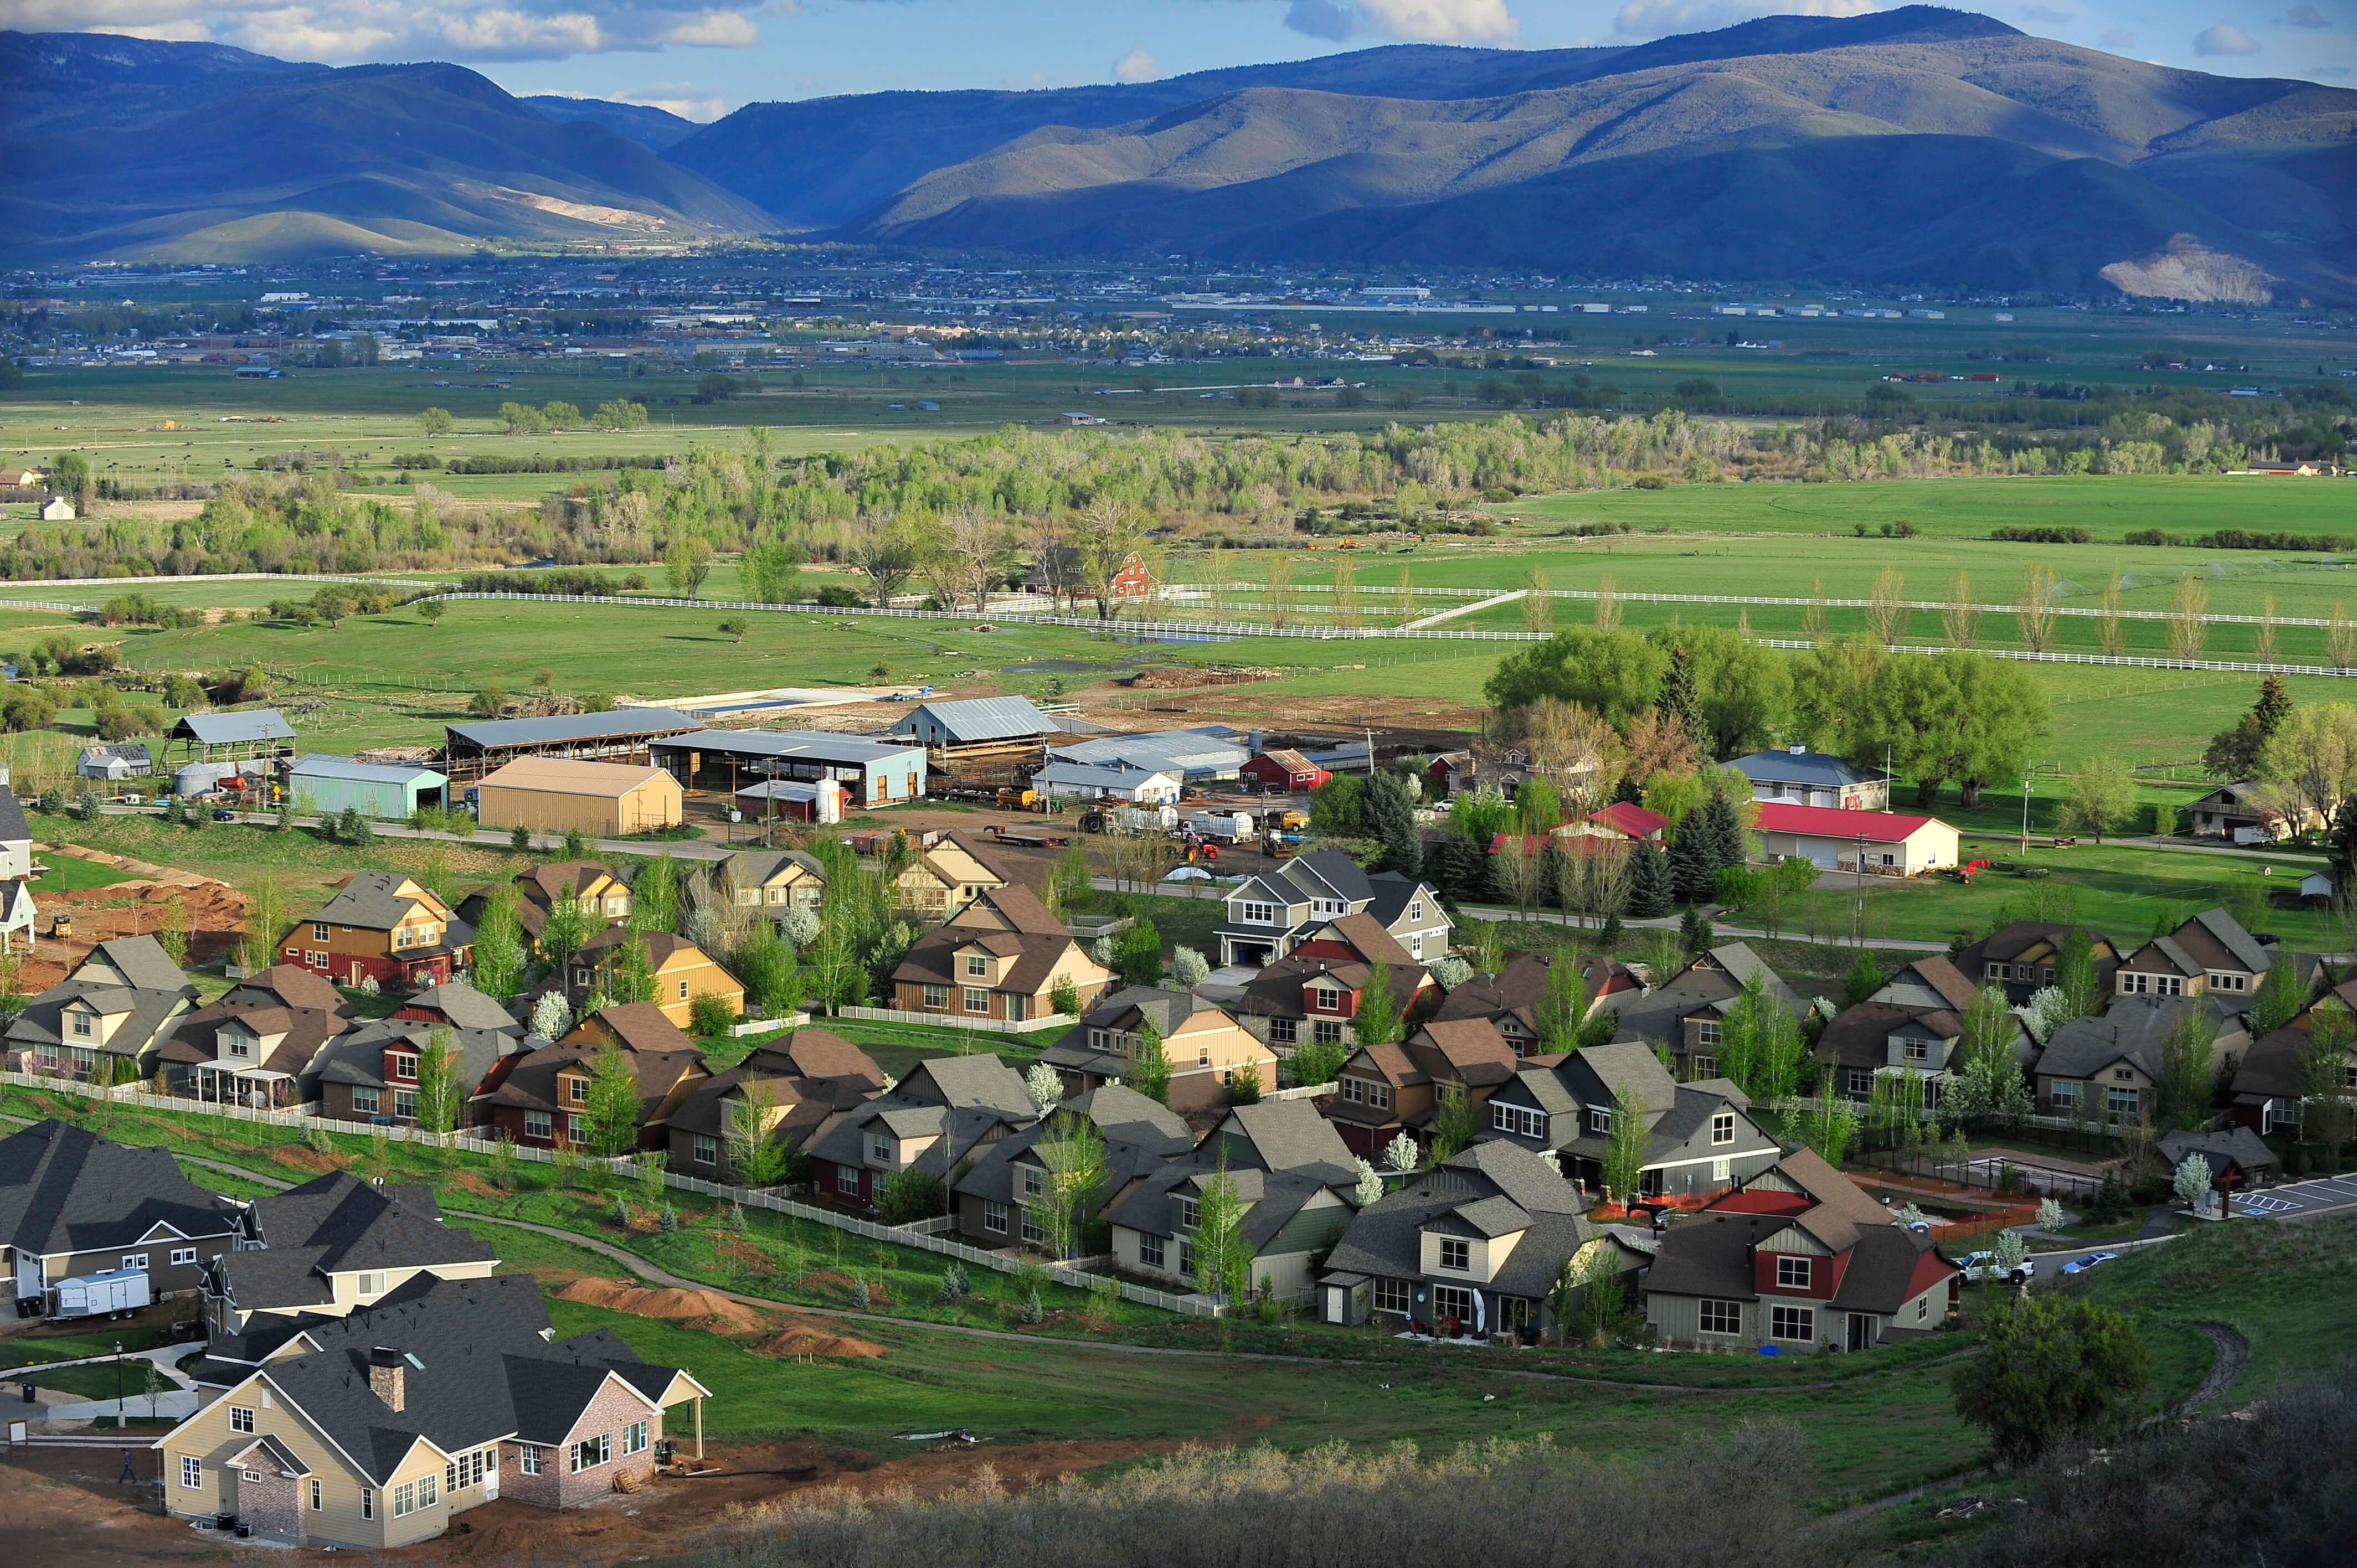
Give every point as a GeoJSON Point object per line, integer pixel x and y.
{"type": "Point", "coordinates": [62, 1507]}
{"type": "Point", "coordinates": [216, 916]}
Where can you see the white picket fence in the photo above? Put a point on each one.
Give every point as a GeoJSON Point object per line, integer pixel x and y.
{"type": "Point", "coordinates": [953, 1021]}
{"type": "Point", "coordinates": [923, 1236]}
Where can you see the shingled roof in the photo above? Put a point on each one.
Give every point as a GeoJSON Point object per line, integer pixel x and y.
{"type": "Point", "coordinates": [65, 1189]}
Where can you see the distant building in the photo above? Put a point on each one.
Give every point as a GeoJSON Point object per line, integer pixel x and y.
{"type": "Point", "coordinates": [1808, 778]}
{"type": "Point", "coordinates": [57, 509]}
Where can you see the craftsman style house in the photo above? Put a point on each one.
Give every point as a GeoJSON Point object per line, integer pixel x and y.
{"type": "Point", "coordinates": [374, 1431]}
{"type": "Point", "coordinates": [1209, 1052]}
{"type": "Point", "coordinates": [2108, 1068]}
{"type": "Point", "coordinates": [1471, 1248]}
{"type": "Point", "coordinates": [947, 1111]}
{"type": "Point", "coordinates": [2209, 955]}
{"type": "Point", "coordinates": [1913, 1025]}
{"type": "Point", "coordinates": [1699, 1137]}
{"type": "Point", "coordinates": [942, 880]}
{"type": "Point", "coordinates": [331, 1246]}
{"type": "Point", "coordinates": [541, 1097]}
{"type": "Point", "coordinates": [1797, 1258]}
{"type": "Point", "coordinates": [2021, 956]}
{"type": "Point", "coordinates": [1382, 1091]}
{"type": "Point", "coordinates": [258, 1045]}
{"type": "Point", "coordinates": [71, 1204]}
{"type": "Point", "coordinates": [1510, 999]}
{"type": "Point", "coordinates": [1684, 1014]}
{"type": "Point", "coordinates": [682, 971]}
{"type": "Point", "coordinates": [1271, 914]}
{"type": "Point", "coordinates": [383, 926]}
{"type": "Point", "coordinates": [596, 890]}
{"type": "Point", "coordinates": [1001, 956]}
{"type": "Point", "coordinates": [2269, 1086]}
{"type": "Point", "coordinates": [106, 1017]}
{"type": "Point", "coordinates": [788, 1087]}
{"type": "Point", "coordinates": [1000, 1201]}
{"type": "Point", "coordinates": [771, 881]}
{"type": "Point", "coordinates": [1311, 996]}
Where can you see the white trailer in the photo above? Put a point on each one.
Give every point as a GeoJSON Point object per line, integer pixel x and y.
{"type": "Point", "coordinates": [1145, 818]}
{"type": "Point", "coordinates": [1228, 827]}
{"type": "Point", "coordinates": [100, 1294]}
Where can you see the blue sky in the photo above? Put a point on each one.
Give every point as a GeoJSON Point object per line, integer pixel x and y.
{"type": "Point", "coordinates": [702, 58]}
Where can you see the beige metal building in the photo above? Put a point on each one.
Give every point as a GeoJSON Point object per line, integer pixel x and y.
{"type": "Point", "coordinates": [551, 794]}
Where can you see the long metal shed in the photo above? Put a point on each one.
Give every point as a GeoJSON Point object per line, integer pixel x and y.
{"type": "Point", "coordinates": [330, 784]}
{"type": "Point", "coordinates": [873, 772]}
{"type": "Point", "coordinates": [470, 750]}
{"type": "Point", "coordinates": [242, 732]}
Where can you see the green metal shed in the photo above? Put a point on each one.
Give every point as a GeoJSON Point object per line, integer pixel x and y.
{"type": "Point", "coordinates": [330, 784]}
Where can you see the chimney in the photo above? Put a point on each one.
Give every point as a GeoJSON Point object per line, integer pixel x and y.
{"type": "Point", "coordinates": [387, 1379]}
{"type": "Point", "coordinates": [1800, 750]}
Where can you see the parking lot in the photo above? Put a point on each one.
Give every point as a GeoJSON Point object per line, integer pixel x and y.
{"type": "Point", "coordinates": [2299, 1197]}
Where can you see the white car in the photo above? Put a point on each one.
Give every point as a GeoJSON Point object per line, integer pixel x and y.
{"type": "Point", "coordinates": [1983, 1266]}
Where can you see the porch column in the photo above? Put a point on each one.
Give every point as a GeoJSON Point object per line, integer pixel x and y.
{"type": "Point", "coordinates": [699, 1426]}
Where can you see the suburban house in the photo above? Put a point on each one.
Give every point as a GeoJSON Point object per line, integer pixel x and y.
{"type": "Point", "coordinates": [1208, 1050]}
{"type": "Point", "coordinates": [1912, 1025]}
{"type": "Point", "coordinates": [945, 878]}
{"type": "Point", "coordinates": [1806, 777]}
{"type": "Point", "coordinates": [1471, 1248]}
{"type": "Point", "coordinates": [1510, 998]}
{"type": "Point", "coordinates": [16, 836]}
{"type": "Point", "coordinates": [789, 1086]}
{"type": "Point", "coordinates": [556, 795]}
{"type": "Point", "coordinates": [1797, 1258]}
{"type": "Point", "coordinates": [1684, 1014]}
{"type": "Point", "coordinates": [541, 1097]}
{"type": "Point", "coordinates": [372, 1430]}
{"type": "Point", "coordinates": [948, 1111]}
{"type": "Point", "coordinates": [597, 891]}
{"type": "Point", "coordinates": [383, 926]}
{"type": "Point", "coordinates": [1624, 819]}
{"type": "Point", "coordinates": [2108, 1068]}
{"type": "Point", "coordinates": [995, 1200]}
{"type": "Point", "coordinates": [370, 1071]}
{"type": "Point", "coordinates": [2021, 956]}
{"type": "Point", "coordinates": [1273, 912]}
{"type": "Point", "coordinates": [2268, 1086]}
{"type": "Point", "coordinates": [108, 1015]}
{"type": "Point", "coordinates": [257, 1044]}
{"type": "Point", "coordinates": [771, 881]}
{"type": "Point", "coordinates": [1284, 771]}
{"type": "Point", "coordinates": [1293, 1174]}
{"type": "Point", "coordinates": [331, 1246]}
{"type": "Point", "coordinates": [2208, 955]}
{"type": "Point", "coordinates": [1001, 956]}
{"type": "Point", "coordinates": [1313, 996]}
{"type": "Point", "coordinates": [1382, 1091]}
{"type": "Point", "coordinates": [2246, 812]}
{"type": "Point", "coordinates": [682, 971]}
{"type": "Point", "coordinates": [18, 914]}
{"type": "Point", "coordinates": [1833, 839]}
{"type": "Point", "coordinates": [73, 1204]}
{"type": "Point", "coordinates": [1699, 1137]}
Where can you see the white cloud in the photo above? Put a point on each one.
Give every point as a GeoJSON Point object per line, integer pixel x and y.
{"type": "Point", "coordinates": [343, 31]}
{"type": "Point", "coordinates": [1426, 21]}
{"type": "Point", "coordinates": [2304, 17]}
{"type": "Point", "coordinates": [715, 30]}
{"type": "Point", "coordinates": [1136, 66]}
{"type": "Point", "coordinates": [1644, 19]}
{"type": "Point", "coordinates": [2224, 40]}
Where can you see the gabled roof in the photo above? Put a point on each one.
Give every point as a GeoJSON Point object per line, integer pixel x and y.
{"type": "Point", "coordinates": [980, 718]}
{"type": "Point", "coordinates": [563, 775]}
{"type": "Point", "coordinates": [1325, 874]}
{"type": "Point", "coordinates": [1832, 821]}
{"type": "Point", "coordinates": [2132, 1029]}
{"type": "Point", "coordinates": [642, 1026]}
{"type": "Point", "coordinates": [232, 728]}
{"type": "Point", "coordinates": [65, 1189]}
{"type": "Point", "coordinates": [336, 1224]}
{"type": "Point", "coordinates": [318, 765]}
{"type": "Point", "coordinates": [464, 1006]}
{"type": "Point", "coordinates": [1288, 1135]}
{"type": "Point", "coordinates": [1139, 1136]}
{"type": "Point", "coordinates": [374, 901]}
{"type": "Point", "coordinates": [490, 733]}
{"type": "Point", "coordinates": [1472, 1047]}
{"type": "Point", "coordinates": [1626, 1066]}
{"type": "Point", "coordinates": [1630, 819]}
{"type": "Point", "coordinates": [14, 828]}
{"type": "Point", "coordinates": [1792, 767]}
{"type": "Point", "coordinates": [1488, 1190]}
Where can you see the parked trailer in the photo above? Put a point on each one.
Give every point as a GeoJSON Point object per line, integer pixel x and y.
{"type": "Point", "coordinates": [1228, 827]}
{"type": "Point", "coordinates": [100, 1294]}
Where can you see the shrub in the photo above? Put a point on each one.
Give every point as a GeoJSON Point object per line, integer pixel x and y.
{"type": "Point", "coordinates": [710, 1015]}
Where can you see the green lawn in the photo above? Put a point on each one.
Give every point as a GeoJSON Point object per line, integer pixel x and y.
{"type": "Point", "coordinates": [69, 873]}
{"type": "Point", "coordinates": [26, 1350]}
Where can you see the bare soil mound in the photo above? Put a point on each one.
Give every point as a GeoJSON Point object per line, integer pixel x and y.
{"type": "Point", "coordinates": [695, 1309]}
{"type": "Point", "coordinates": [797, 1342]}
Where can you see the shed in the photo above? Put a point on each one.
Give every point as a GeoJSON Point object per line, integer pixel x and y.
{"type": "Point", "coordinates": [125, 760]}
{"type": "Point", "coordinates": [557, 795]}
{"type": "Point", "coordinates": [1137, 786]}
{"type": "Point", "coordinates": [974, 721]}
{"type": "Point", "coordinates": [245, 732]}
{"type": "Point", "coordinates": [1891, 845]}
{"type": "Point", "coordinates": [472, 749]}
{"type": "Point", "coordinates": [2316, 884]}
{"type": "Point", "coordinates": [57, 509]}
{"type": "Point", "coordinates": [330, 784]}
{"type": "Point", "coordinates": [872, 772]}
{"type": "Point", "coordinates": [820, 801]}
{"type": "Point", "coordinates": [1284, 769]}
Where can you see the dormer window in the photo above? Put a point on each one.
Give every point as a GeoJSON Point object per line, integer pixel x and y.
{"type": "Point", "coordinates": [1792, 1274]}
{"type": "Point", "coordinates": [1915, 1050]}
{"type": "Point", "coordinates": [238, 1046]}
{"type": "Point", "coordinates": [404, 1065]}
{"type": "Point", "coordinates": [977, 966]}
{"type": "Point", "coordinates": [1599, 1119]}
{"type": "Point", "coordinates": [1456, 1255]}
{"type": "Point", "coordinates": [82, 1024]}
{"type": "Point", "coordinates": [1327, 999]}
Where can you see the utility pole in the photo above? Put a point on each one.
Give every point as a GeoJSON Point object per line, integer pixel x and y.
{"type": "Point", "coordinates": [2025, 811]}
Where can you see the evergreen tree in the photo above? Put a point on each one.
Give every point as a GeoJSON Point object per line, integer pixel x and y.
{"type": "Point", "coordinates": [1377, 1021]}
{"type": "Point", "coordinates": [1725, 831]}
{"type": "Point", "coordinates": [611, 1116]}
{"type": "Point", "coordinates": [1149, 1072]}
{"type": "Point", "coordinates": [1694, 860]}
{"type": "Point", "coordinates": [1651, 892]}
{"type": "Point", "coordinates": [1391, 818]}
{"type": "Point", "coordinates": [1681, 700]}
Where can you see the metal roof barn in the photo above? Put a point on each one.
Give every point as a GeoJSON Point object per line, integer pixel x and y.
{"type": "Point", "coordinates": [472, 749]}
{"type": "Point", "coordinates": [873, 772]}
{"type": "Point", "coordinates": [331, 784]}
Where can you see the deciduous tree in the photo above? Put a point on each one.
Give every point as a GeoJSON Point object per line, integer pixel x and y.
{"type": "Point", "coordinates": [2052, 1367]}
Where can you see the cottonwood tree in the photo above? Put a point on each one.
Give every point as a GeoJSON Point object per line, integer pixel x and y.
{"type": "Point", "coordinates": [1615, 673]}
{"type": "Point", "coordinates": [1111, 534]}
{"type": "Point", "coordinates": [499, 946]}
{"type": "Point", "coordinates": [1223, 1258]}
{"type": "Point", "coordinates": [1828, 1123]}
{"type": "Point", "coordinates": [2034, 613]}
{"type": "Point", "coordinates": [1985, 1082]}
{"type": "Point", "coordinates": [1377, 1020]}
{"type": "Point", "coordinates": [755, 1155]}
{"type": "Point", "coordinates": [2186, 1076]}
{"type": "Point", "coordinates": [1078, 1174]}
{"type": "Point", "coordinates": [687, 561]}
{"type": "Point", "coordinates": [610, 1116]}
{"type": "Point", "coordinates": [2309, 764]}
{"type": "Point", "coordinates": [2052, 1367]}
{"type": "Point", "coordinates": [441, 1086]}
{"type": "Point", "coordinates": [2187, 629]}
{"type": "Point", "coordinates": [2100, 797]}
{"type": "Point", "coordinates": [882, 552]}
{"type": "Point", "coordinates": [1624, 1148]}
{"type": "Point", "coordinates": [1886, 606]}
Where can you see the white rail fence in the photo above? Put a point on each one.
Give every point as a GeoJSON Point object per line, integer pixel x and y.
{"type": "Point", "coordinates": [954, 1021]}
{"type": "Point", "coordinates": [921, 1236]}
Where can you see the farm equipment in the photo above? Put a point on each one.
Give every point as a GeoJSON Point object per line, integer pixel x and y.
{"type": "Point", "coordinates": [60, 926]}
{"type": "Point", "coordinates": [1967, 871]}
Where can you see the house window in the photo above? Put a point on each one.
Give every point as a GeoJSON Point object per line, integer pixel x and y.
{"type": "Point", "coordinates": [2122, 1101]}
{"type": "Point", "coordinates": [319, 1498]}
{"type": "Point", "coordinates": [1284, 1031]}
{"type": "Point", "coordinates": [241, 1418]}
{"type": "Point", "coordinates": [371, 1285]}
{"type": "Point", "coordinates": [576, 1092]}
{"type": "Point", "coordinates": [1722, 1318]}
{"type": "Point", "coordinates": [592, 1451]}
{"type": "Point", "coordinates": [847, 1179]}
{"type": "Point", "coordinates": [1705, 1032]}
{"type": "Point", "coordinates": [708, 1149]}
{"type": "Point", "coordinates": [2228, 982]}
{"type": "Point", "coordinates": [81, 1025]}
{"type": "Point", "coordinates": [536, 1123]}
{"type": "Point", "coordinates": [192, 1470]}
{"type": "Point", "coordinates": [1792, 1274]}
{"type": "Point", "coordinates": [1189, 1211]}
{"type": "Point", "coordinates": [238, 1046]}
{"type": "Point", "coordinates": [134, 1261]}
{"type": "Point", "coordinates": [977, 999]}
{"type": "Point", "coordinates": [993, 1218]}
{"type": "Point", "coordinates": [2063, 1094]}
{"type": "Point", "coordinates": [2000, 972]}
{"type": "Point", "coordinates": [529, 1460]}
{"type": "Point", "coordinates": [1519, 1120]}
{"type": "Point", "coordinates": [881, 1148]}
{"type": "Point", "coordinates": [184, 1255]}
{"type": "Point", "coordinates": [1722, 1128]}
{"type": "Point", "coordinates": [573, 1132]}
{"type": "Point", "coordinates": [683, 991]}
{"type": "Point", "coordinates": [1722, 1169]}
{"type": "Point", "coordinates": [1149, 1251]}
{"type": "Point", "coordinates": [1703, 1066]}
{"type": "Point", "coordinates": [318, 930]}
{"type": "Point", "coordinates": [1861, 1081]}
{"type": "Point", "coordinates": [1034, 1233]}
{"type": "Point", "coordinates": [364, 1101]}
{"type": "Point", "coordinates": [410, 1496]}
{"type": "Point", "coordinates": [1798, 1324]}
{"type": "Point", "coordinates": [1415, 909]}
{"type": "Point", "coordinates": [1452, 1301]}
{"type": "Point", "coordinates": [1922, 1308]}
{"type": "Point", "coordinates": [1393, 1295]}
{"type": "Point", "coordinates": [1257, 914]}
{"type": "Point", "coordinates": [368, 1502]}
{"type": "Point", "coordinates": [1457, 1256]}
{"type": "Point", "coordinates": [634, 1437]}
{"type": "Point", "coordinates": [1599, 1119]}
{"type": "Point", "coordinates": [1327, 999]}
{"type": "Point", "coordinates": [1326, 1031]}
{"type": "Point", "coordinates": [977, 967]}
{"type": "Point", "coordinates": [1034, 1181]}
{"type": "Point", "coordinates": [937, 998]}
{"type": "Point", "coordinates": [1915, 1050]}
{"type": "Point", "coordinates": [404, 1103]}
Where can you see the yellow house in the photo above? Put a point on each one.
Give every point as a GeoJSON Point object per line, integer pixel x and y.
{"type": "Point", "coordinates": [682, 971]}
{"type": "Point", "coordinates": [943, 880]}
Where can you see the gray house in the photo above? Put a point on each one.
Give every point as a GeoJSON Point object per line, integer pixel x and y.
{"type": "Point", "coordinates": [2108, 1068]}
{"type": "Point", "coordinates": [1913, 1025]}
{"type": "Point", "coordinates": [996, 1197]}
{"type": "Point", "coordinates": [1799, 777]}
{"type": "Point", "coordinates": [1683, 1014]}
{"type": "Point", "coordinates": [1699, 1137]}
{"type": "Point", "coordinates": [1274, 912]}
{"type": "Point", "coordinates": [72, 1203]}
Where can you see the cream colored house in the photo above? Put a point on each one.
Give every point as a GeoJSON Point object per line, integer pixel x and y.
{"type": "Point", "coordinates": [332, 1246]}
{"type": "Point", "coordinates": [943, 880]}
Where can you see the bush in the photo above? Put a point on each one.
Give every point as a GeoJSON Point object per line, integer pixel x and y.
{"type": "Point", "coordinates": [956, 1283]}
{"type": "Point", "coordinates": [709, 1014]}
{"type": "Point", "coordinates": [835, 597]}
{"type": "Point", "coordinates": [912, 1196]}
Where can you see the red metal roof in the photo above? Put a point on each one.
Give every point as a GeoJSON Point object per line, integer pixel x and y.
{"type": "Point", "coordinates": [1832, 822]}
{"type": "Point", "coordinates": [1630, 819]}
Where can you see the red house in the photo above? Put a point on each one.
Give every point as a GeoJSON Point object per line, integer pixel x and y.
{"type": "Point", "coordinates": [1284, 770]}
{"type": "Point", "coordinates": [1626, 820]}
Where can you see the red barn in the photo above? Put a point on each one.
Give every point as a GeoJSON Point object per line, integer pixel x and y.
{"type": "Point", "coordinates": [1284, 770]}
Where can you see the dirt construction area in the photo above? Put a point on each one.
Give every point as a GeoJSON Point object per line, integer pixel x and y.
{"type": "Point", "coordinates": [212, 914]}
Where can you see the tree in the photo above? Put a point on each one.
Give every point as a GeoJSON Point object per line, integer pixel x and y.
{"type": "Point", "coordinates": [2233, 753]}
{"type": "Point", "coordinates": [687, 562]}
{"type": "Point", "coordinates": [735, 627]}
{"type": "Point", "coordinates": [2277, 1001]}
{"type": "Point", "coordinates": [1377, 1020]}
{"type": "Point", "coordinates": [2323, 1064]}
{"type": "Point", "coordinates": [909, 1196]}
{"type": "Point", "coordinates": [1453, 1124]}
{"type": "Point", "coordinates": [2075, 975]}
{"type": "Point", "coordinates": [1370, 1188]}
{"type": "Point", "coordinates": [499, 946]}
{"type": "Point", "coordinates": [566, 930]}
{"type": "Point", "coordinates": [1828, 1123]}
{"type": "Point", "coordinates": [1401, 1155]}
{"type": "Point", "coordinates": [172, 930]}
{"type": "Point", "coordinates": [632, 976]}
{"type": "Point", "coordinates": [654, 895]}
{"type": "Point", "coordinates": [1693, 859]}
{"type": "Point", "coordinates": [1188, 968]}
{"type": "Point", "coordinates": [1149, 1064]}
{"type": "Point", "coordinates": [1965, 717]}
{"type": "Point", "coordinates": [1065, 998]}
{"type": "Point", "coordinates": [2101, 795]}
{"type": "Point", "coordinates": [771, 569]}
{"type": "Point", "coordinates": [882, 553]}
{"type": "Point", "coordinates": [1864, 980]}
{"type": "Point", "coordinates": [622, 414]}
{"type": "Point", "coordinates": [766, 966]}
{"type": "Point", "coordinates": [1138, 954]}
{"type": "Point", "coordinates": [441, 1086]}
{"type": "Point", "coordinates": [755, 1155]}
{"type": "Point", "coordinates": [1111, 535]}
{"type": "Point", "coordinates": [2052, 1369]}
{"type": "Point", "coordinates": [1045, 1085]}
{"type": "Point", "coordinates": [551, 1017]}
{"type": "Point", "coordinates": [435, 422]}
{"type": "Point", "coordinates": [1078, 1173]}
{"type": "Point", "coordinates": [1984, 1081]}
{"type": "Point", "coordinates": [2187, 1078]}
{"type": "Point", "coordinates": [2193, 1181]}
{"type": "Point", "coordinates": [610, 1118]}
{"type": "Point", "coordinates": [1624, 1148]}
{"type": "Point", "coordinates": [1223, 1257]}
{"type": "Point", "coordinates": [1651, 888]}
{"type": "Point", "coordinates": [2309, 764]}
{"type": "Point", "coordinates": [1679, 701]}
{"type": "Point", "coordinates": [1616, 673]}
{"type": "Point", "coordinates": [1391, 818]}
{"type": "Point", "coordinates": [1537, 806]}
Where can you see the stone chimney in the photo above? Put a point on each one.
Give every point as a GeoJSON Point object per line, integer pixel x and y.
{"type": "Point", "coordinates": [386, 1377]}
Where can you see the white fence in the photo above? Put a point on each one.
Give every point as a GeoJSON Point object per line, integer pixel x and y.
{"type": "Point", "coordinates": [917, 1236]}
{"type": "Point", "coordinates": [953, 1021]}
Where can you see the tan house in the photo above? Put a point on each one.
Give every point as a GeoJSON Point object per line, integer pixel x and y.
{"type": "Point", "coordinates": [771, 881]}
{"type": "Point", "coordinates": [375, 1429]}
{"type": "Point", "coordinates": [541, 1097]}
{"type": "Point", "coordinates": [682, 971]}
{"type": "Point", "coordinates": [600, 894]}
{"type": "Point", "coordinates": [552, 794]}
{"type": "Point", "coordinates": [1001, 956]}
{"type": "Point", "coordinates": [112, 1011]}
{"type": "Point", "coordinates": [1209, 1052]}
{"type": "Point", "coordinates": [790, 1087]}
{"type": "Point", "coordinates": [2208, 955]}
{"type": "Point", "coordinates": [1384, 1090]}
{"type": "Point", "coordinates": [385, 927]}
{"type": "Point", "coordinates": [2108, 1068]}
{"type": "Point", "coordinates": [332, 1246]}
{"type": "Point", "coordinates": [942, 880]}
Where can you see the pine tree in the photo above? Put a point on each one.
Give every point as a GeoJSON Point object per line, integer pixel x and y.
{"type": "Point", "coordinates": [1681, 700]}
{"type": "Point", "coordinates": [1694, 860]}
{"type": "Point", "coordinates": [1651, 892]}
{"type": "Point", "coordinates": [1391, 818]}
{"type": "Point", "coordinates": [1725, 831]}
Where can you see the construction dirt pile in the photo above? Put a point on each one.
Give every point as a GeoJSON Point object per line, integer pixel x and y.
{"type": "Point", "coordinates": [799, 1343]}
{"type": "Point", "coordinates": [1187, 677]}
{"type": "Point", "coordinates": [213, 915]}
{"type": "Point", "coordinates": [691, 1308]}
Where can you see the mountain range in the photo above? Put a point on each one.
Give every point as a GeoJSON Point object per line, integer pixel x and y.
{"type": "Point", "coordinates": [1918, 146]}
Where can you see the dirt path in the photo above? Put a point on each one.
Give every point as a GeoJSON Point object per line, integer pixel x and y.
{"type": "Point", "coordinates": [2233, 1352]}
